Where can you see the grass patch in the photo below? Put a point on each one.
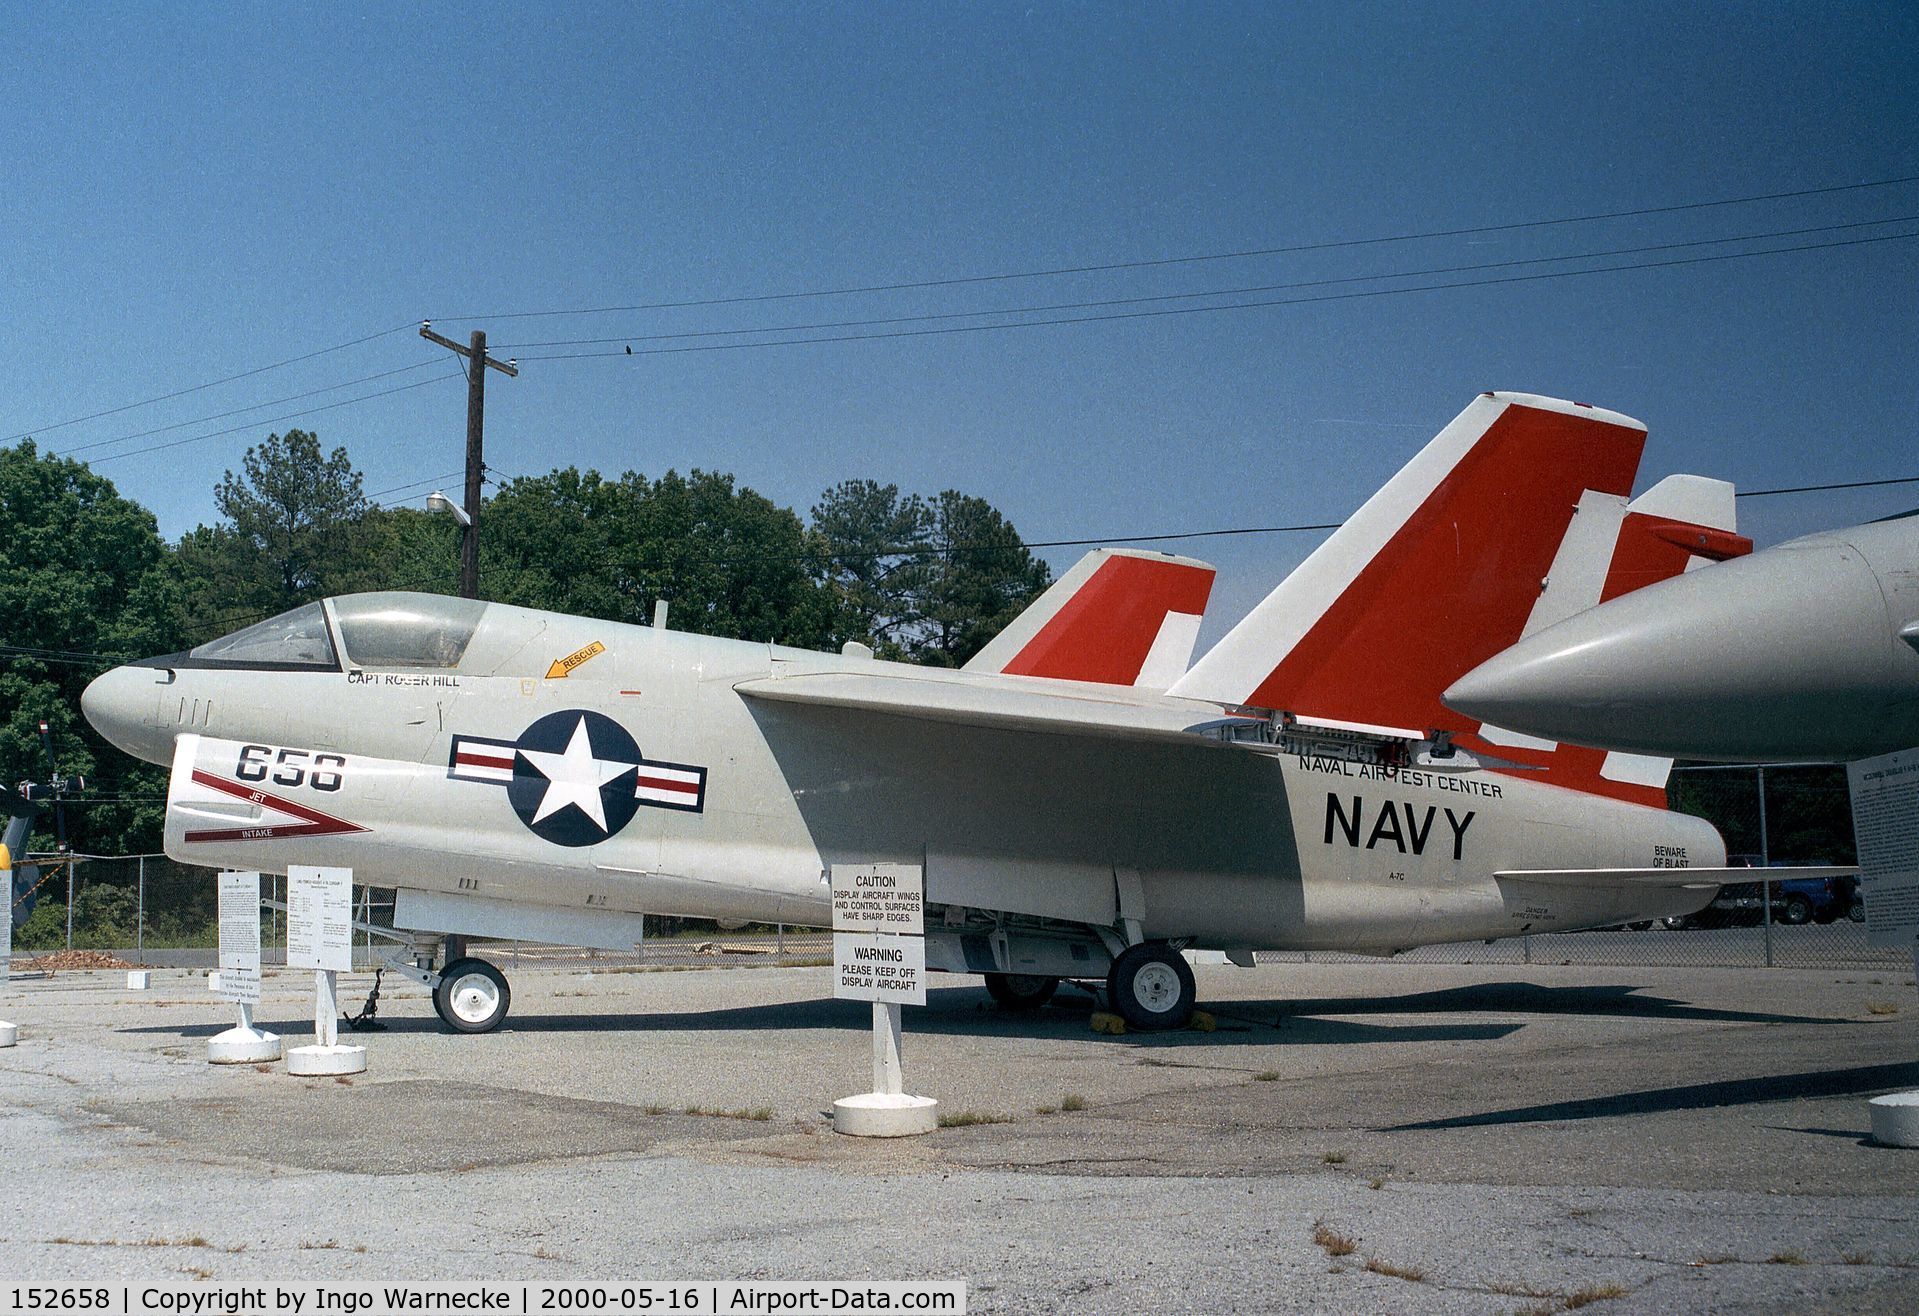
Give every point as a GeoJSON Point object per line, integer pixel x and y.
{"type": "Point", "coordinates": [1376, 1184]}
{"type": "Point", "coordinates": [1788, 1257]}
{"type": "Point", "coordinates": [1411, 1274]}
{"type": "Point", "coordinates": [1333, 1243]}
{"type": "Point", "coordinates": [1856, 1259]}
{"type": "Point", "coordinates": [1882, 1007]}
{"type": "Point", "coordinates": [1592, 1293]}
{"type": "Point", "coordinates": [1266, 1076]}
{"type": "Point", "coordinates": [1508, 1289]}
{"type": "Point", "coordinates": [1334, 1158]}
{"type": "Point", "coordinates": [964, 1118]}
{"type": "Point", "coordinates": [760, 1113]}
{"type": "Point", "coordinates": [1046, 1110]}
{"type": "Point", "coordinates": [1072, 1101]}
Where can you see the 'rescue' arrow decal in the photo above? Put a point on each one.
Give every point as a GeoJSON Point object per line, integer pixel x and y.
{"type": "Point", "coordinates": [312, 821]}
{"type": "Point", "coordinates": [563, 667]}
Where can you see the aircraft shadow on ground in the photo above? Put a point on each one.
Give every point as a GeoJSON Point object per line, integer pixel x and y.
{"type": "Point", "coordinates": [1855, 1081]}
{"type": "Point", "coordinates": [1613, 1000]}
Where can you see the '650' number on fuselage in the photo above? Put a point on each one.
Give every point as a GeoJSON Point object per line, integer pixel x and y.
{"type": "Point", "coordinates": [291, 767]}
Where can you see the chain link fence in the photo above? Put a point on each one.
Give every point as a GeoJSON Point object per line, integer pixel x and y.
{"type": "Point", "coordinates": [149, 909]}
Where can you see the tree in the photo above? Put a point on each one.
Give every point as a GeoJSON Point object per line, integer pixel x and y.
{"type": "Point", "coordinates": [727, 560]}
{"type": "Point", "coordinates": [296, 528]}
{"type": "Point", "coordinates": [83, 585]}
{"type": "Point", "coordinates": [976, 577]}
{"type": "Point", "coordinates": [928, 580]}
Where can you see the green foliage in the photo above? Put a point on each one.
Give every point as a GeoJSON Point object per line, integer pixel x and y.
{"type": "Point", "coordinates": [926, 580]}
{"type": "Point", "coordinates": [82, 571]}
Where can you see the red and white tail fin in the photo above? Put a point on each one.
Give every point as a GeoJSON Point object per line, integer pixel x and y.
{"type": "Point", "coordinates": [1515, 512]}
{"type": "Point", "coordinates": [1119, 617]}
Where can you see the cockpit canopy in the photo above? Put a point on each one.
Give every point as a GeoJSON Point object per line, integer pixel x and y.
{"type": "Point", "coordinates": [388, 629]}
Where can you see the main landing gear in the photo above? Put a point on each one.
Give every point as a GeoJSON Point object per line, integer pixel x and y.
{"type": "Point", "coordinates": [1020, 992]}
{"type": "Point", "coordinates": [1151, 987]}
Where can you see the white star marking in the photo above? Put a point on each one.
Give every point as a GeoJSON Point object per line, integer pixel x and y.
{"type": "Point", "coordinates": [574, 777]}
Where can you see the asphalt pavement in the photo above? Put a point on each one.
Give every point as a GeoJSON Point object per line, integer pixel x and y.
{"type": "Point", "coordinates": [1365, 1137]}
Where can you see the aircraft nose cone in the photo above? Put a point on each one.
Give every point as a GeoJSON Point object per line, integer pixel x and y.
{"type": "Point", "coordinates": [1786, 654]}
{"type": "Point", "coordinates": [122, 706]}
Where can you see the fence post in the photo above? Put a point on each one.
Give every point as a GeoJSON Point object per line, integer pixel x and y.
{"type": "Point", "coordinates": [69, 902]}
{"type": "Point", "coordinates": [140, 915]}
{"type": "Point", "coordinates": [1527, 941]}
{"type": "Point", "coordinates": [1765, 864]}
{"type": "Point", "coordinates": [779, 943]}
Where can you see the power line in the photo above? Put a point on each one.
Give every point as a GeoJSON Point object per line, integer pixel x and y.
{"type": "Point", "coordinates": [271, 402]}
{"type": "Point", "coordinates": [272, 420]}
{"type": "Point", "coordinates": [1215, 292]}
{"type": "Point", "coordinates": [1330, 245]}
{"type": "Point", "coordinates": [197, 388]}
{"type": "Point", "coordinates": [1230, 306]}
{"type": "Point", "coordinates": [1822, 488]}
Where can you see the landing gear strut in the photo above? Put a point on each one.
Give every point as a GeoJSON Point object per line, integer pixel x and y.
{"type": "Point", "coordinates": [1151, 987]}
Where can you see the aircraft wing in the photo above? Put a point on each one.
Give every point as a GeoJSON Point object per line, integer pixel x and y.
{"type": "Point", "coordinates": [1690, 877]}
{"type": "Point", "coordinates": [975, 703]}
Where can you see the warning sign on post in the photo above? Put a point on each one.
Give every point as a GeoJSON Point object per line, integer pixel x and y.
{"type": "Point", "coordinates": [879, 898]}
{"type": "Point", "coordinates": [240, 937]}
{"type": "Point", "coordinates": [320, 918]}
{"type": "Point", "coordinates": [872, 966]}
{"type": "Point", "coordinates": [1885, 823]}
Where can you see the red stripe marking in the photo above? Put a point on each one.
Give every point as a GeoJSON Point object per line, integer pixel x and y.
{"type": "Point", "coordinates": [667, 784]}
{"type": "Point", "coordinates": [1652, 548]}
{"type": "Point", "coordinates": [1105, 630]}
{"type": "Point", "coordinates": [474, 759]}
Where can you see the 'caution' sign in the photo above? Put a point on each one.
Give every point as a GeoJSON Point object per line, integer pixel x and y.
{"type": "Point", "coordinates": [563, 667]}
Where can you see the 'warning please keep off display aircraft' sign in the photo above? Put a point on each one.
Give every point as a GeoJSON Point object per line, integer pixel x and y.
{"type": "Point", "coordinates": [878, 922]}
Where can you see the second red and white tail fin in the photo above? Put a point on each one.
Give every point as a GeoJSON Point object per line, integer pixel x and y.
{"type": "Point", "coordinates": [1514, 516]}
{"type": "Point", "coordinates": [1121, 616]}
{"type": "Point", "coordinates": [1434, 573]}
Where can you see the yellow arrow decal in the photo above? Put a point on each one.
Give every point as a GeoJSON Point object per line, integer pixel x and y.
{"type": "Point", "coordinates": [564, 666]}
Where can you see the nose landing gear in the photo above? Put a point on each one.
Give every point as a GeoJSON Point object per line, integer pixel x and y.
{"type": "Point", "coordinates": [471, 996]}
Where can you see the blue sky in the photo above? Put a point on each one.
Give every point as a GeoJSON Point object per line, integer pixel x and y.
{"type": "Point", "coordinates": [192, 192]}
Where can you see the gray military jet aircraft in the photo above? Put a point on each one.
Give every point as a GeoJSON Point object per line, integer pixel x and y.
{"type": "Point", "coordinates": [1808, 650]}
{"type": "Point", "coordinates": [1083, 806]}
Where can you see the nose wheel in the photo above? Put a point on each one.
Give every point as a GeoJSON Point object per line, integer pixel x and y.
{"type": "Point", "coordinates": [472, 996]}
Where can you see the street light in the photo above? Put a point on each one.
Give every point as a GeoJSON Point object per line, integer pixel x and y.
{"type": "Point", "coordinates": [439, 502]}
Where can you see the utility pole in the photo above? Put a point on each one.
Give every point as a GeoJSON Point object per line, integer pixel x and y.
{"type": "Point", "coordinates": [477, 364]}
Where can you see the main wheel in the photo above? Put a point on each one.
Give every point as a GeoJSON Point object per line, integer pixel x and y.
{"type": "Point", "coordinates": [1797, 909]}
{"type": "Point", "coordinates": [1020, 991]}
{"type": "Point", "coordinates": [472, 996]}
{"type": "Point", "coordinates": [1151, 987]}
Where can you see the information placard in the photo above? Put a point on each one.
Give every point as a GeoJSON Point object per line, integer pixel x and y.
{"type": "Point", "coordinates": [319, 918]}
{"type": "Point", "coordinates": [1885, 823]}
{"type": "Point", "coordinates": [879, 898]}
{"type": "Point", "coordinates": [874, 966]}
{"type": "Point", "coordinates": [240, 937]}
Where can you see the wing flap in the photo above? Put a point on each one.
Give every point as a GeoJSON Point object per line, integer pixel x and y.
{"type": "Point", "coordinates": [1096, 712]}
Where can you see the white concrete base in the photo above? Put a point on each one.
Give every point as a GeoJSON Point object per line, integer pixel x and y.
{"type": "Point", "coordinates": [885, 1115]}
{"type": "Point", "coordinates": [9, 1035]}
{"type": "Point", "coordinates": [1895, 1119]}
{"type": "Point", "coordinates": [139, 980]}
{"type": "Point", "coordinates": [324, 1061]}
{"type": "Point", "coordinates": [243, 1046]}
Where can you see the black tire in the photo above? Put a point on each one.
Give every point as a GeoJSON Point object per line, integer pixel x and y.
{"type": "Point", "coordinates": [472, 996]}
{"type": "Point", "coordinates": [1020, 992]}
{"type": "Point", "coordinates": [1151, 987]}
{"type": "Point", "coordinates": [1643, 925]}
{"type": "Point", "coordinates": [1856, 911]}
{"type": "Point", "coordinates": [1795, 909]}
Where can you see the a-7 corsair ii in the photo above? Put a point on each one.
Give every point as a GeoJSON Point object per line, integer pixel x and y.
{"type": "Point", "coordinates": [1084, 807]}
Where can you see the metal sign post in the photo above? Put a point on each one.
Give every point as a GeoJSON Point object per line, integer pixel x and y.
{"type": "Point", "coordinates": [241, 1044]}
{"type": "Point", "coordinates": [879, 955]}
{"type": "Point", "coordinates": [1885, 825]}
{"type": "Point", "coordinates": [320, 937]}
{"type": "Point", "coordinates": [9, 1035]}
